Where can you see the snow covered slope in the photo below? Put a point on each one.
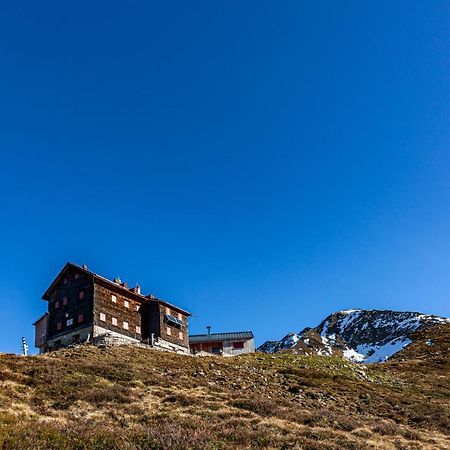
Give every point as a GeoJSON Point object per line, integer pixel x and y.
{"type": "Point", "coordinates": [356, 334]}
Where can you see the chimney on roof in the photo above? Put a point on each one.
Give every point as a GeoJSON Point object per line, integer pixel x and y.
{"type": "Point", "coordinates": [117, 280]}
{"type": "Point", "coordinates": [208, 330]}
{"type": "Point", "coordinates": [84, 266]}
{"type": "Point", "coordinates": [137, 289]}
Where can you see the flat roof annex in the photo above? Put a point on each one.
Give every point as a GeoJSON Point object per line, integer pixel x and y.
{"type": "Point", "coordinates": [215, 337]}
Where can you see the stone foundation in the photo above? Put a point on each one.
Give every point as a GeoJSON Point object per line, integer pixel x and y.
{"type": "Point", "coordinates": [75, 337]}
{"type": "Point", "coordinates": [108, 338]}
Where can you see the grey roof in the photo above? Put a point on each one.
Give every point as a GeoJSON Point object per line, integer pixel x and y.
{"type": "Point", "coordinates": [111, 283]}
{"type": "Point", "coordinates": [195, 338]}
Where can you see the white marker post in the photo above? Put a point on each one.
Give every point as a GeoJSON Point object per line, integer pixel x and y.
{"type": "Point", "coordinates": [24, 347]}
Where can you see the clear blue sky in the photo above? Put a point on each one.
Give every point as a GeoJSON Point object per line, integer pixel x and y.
{"type": "Point", "coordinates": [261, 164]}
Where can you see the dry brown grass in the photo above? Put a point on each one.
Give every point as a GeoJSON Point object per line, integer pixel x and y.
{"type": "Point", "coordinates": [129, 398]}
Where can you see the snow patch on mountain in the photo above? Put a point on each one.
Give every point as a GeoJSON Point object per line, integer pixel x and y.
{"type": "Point", "coordinates": [358, 335]}
{"type": "Point", "coordinates": [383, 352]}
{"type": "Point", "coordinates": [353, 355]}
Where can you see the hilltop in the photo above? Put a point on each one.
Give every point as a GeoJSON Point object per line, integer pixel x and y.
{"type": "Point", "coordinates": [357, 334]}
{"type": "Point", "coordinates": [134, 398]}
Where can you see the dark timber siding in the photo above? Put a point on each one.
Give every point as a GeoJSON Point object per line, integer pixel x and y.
{"type": "Point", "coordinates": [104, 305]}
{"type": "Point", "coordinates": [171, 333]}
{"type": "Point", "coordinates": [150, 320]}
{"type": "Point", "coordinates": [69, 287]}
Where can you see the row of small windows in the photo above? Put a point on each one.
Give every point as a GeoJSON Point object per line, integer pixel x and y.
{"type": "Point", "coordinates": [126, 303]}
{"type": "Point", "coordinates": [65, 300]}
{"type": "Point", "coordinates": [114, 322]}
{"type": "Point", "coordinates": [178, 315]}
{"type": "Point", "coordinates": [169, 333]}
{"type": "Point", "coordinates": [76, 276]}
{"type": "Point", "coordinates": [69, 322]}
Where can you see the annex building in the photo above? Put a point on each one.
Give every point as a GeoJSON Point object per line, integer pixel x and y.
{"type": "Point", "coordinates": [225, 344]}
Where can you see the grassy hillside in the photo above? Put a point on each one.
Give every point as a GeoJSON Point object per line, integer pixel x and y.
{"type": "Point", "coordinates": [132, 398]}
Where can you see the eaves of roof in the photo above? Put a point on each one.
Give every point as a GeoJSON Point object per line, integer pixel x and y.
{"type": "Point", "coordinates": [97, 277]}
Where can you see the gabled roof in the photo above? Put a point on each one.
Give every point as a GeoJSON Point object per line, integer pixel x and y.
{"type": "Point", "coordinates": [214, 337]}
{"type": "Point", "coordinates": [97, 277]}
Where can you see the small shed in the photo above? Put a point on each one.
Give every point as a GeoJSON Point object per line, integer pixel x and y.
{"type": "Point", "coordinates": [226, 344]}
{"type": "Point", "coordinates": [41, 331]}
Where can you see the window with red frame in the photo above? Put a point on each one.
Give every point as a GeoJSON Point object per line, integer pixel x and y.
{"type": "Point", "coordinates": [59, 326]}
{"type": "Point", "coordinates": [80, 318]}
{"type": "Point", "coordinates": [238, 345]}
{"type": "Point", "coordinates": [57, 304]}
{"type": "Point", "coordinates": [65, 301]}
{"type": "Point", "coordinates": [81, 295]}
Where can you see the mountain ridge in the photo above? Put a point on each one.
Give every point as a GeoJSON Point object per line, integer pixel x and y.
{"type": "Point", "coordinates": [358, 335]}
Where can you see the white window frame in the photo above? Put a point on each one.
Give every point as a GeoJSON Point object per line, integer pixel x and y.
{"type": "Point", "coordinates": [102, 317]}
{"type": "Point", "coordinates": [125, 325]}
{"type": "Point", "coordinates": [113, 298]}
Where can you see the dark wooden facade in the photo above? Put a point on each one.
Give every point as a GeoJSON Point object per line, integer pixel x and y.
{"type": "Point", "coordinates": [83, 305]}
{"type": "Point", "coordinates": [118, 310]}
{"type": "Point", "coordinates": [169, 332]}
{"type": "Point", "coordinates": [70, 304]}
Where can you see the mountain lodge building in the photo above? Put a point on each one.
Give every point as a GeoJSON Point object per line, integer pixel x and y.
{"type": "Point", "coordinates": [84, 306]}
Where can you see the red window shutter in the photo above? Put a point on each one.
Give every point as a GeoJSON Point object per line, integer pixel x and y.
{"type": "Point", "coordinates": [80, 318]}
{"type": "Point", "coordinates": [57, 304]}
{"type": "Point", "coordinates": [65, 301]}
{"type": "Point", "coordinates": [59, 326]}
{"type": "Point", "coordinates": [81, 295]}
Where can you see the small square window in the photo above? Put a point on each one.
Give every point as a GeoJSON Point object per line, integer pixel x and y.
{"type": "Point", "coordinates": [57, 304]}
{"type": "Point", "coordinates": [114, 321]}
{"type": "Point", "coordinates": [81, 295]}
{"type": "Point", "coordinates": [76, 276]}
{"type": "Point", "coordinates": [125, 325]}
{"type": "Point", "coordinates": [180, 335]}
{"type": "Point", "coordinates": [180, 316]}
{"type": "Point", "coordinates": [80, 318]}
{"type": "Point", "coordinates": [126, 303]}
{"type": "Point", "coordinates": [59, 326]}
{"type": "Point", "coordinates": [65, 280]}
{"type": "Point", "coordinates": [103, 317]}
{"type": "Point", "coordinates": [138, 329]}
{"type": "Point", "coordinates": [168, 331]}
{"type": "Point", "coordinates": [113, 298]}
{"type": "Point", "coordinates": [138, 307]}
{"type": "Point", "coordinates": [65, 301]}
